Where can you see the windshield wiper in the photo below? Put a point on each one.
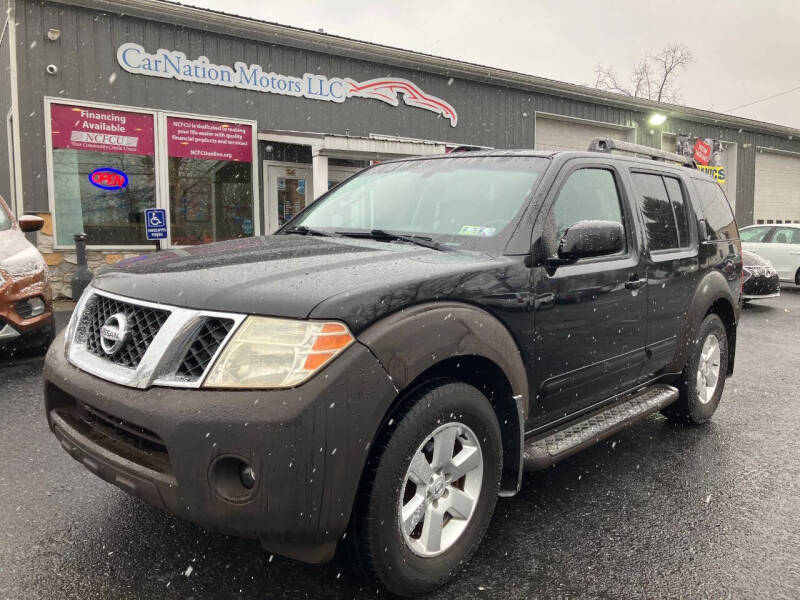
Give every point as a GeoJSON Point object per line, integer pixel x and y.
{"type": "Point", "coordinates": [303, 230]}
{"type": "Point", "coordinates": [388, 236]}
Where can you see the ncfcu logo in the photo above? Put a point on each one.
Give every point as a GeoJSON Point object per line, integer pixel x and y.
{"type": "Point", "coordinates": [107, 178]}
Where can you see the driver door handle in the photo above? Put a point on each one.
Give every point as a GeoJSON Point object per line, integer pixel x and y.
{"type": "Point", "coordinates": [635, 284]}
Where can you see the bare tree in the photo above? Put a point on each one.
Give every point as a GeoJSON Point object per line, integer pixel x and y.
{"type": "Point", "coordinates": [654, 77]}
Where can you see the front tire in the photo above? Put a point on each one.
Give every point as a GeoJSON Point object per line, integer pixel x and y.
{"type": "Point", "coordinates": [430, 490]}
{"type": "Point", "coordinates": [703, 377]}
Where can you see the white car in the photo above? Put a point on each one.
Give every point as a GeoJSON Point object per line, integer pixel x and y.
{"type": "Point", "coordinates": [779, 244]}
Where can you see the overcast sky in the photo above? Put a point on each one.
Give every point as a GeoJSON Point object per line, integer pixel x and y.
{"type": "Point", "coordinates": [744, 50]}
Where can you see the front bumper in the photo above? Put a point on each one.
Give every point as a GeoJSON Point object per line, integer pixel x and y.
{"type": "Point", "coordinates": [15, 326]}
{"type": "Point", "coordinates": [761, 286]}
{"type": "Point", "coordinates": [307, 446]}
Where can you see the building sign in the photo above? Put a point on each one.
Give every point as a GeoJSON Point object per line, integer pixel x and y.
{"type": "Point", "coordinates": [210, 140]}
{"type": "Point", "coordinates": [173, 64]}
{"type": "Point", "coordinates": [717, 173]}
{"type": "Point", "coordinates": [708, 153]}
{"type": "Point", "coordinates": [101, 130]}
{"type": "Point", "coordinates": [702, 152]}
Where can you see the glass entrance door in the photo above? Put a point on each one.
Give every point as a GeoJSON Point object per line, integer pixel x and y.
{"type": "Point", "coordinates": [288, 191]}
{"type": "Point", "coordinates": [336, 175]}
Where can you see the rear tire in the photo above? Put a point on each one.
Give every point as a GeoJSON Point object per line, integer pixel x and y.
{"type": "Point", "coordinates": [419, 518]}
{"type": "Point", "coordinates": [703, 377]}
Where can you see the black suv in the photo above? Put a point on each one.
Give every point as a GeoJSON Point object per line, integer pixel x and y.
{"type": "Point", "coordinates": [391, 360]}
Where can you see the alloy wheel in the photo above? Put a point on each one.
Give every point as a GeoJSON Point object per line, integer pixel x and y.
{"type": "Point", "coordinates": [708, 369]}
{"type": "Point", "coordinates": [440, 489]}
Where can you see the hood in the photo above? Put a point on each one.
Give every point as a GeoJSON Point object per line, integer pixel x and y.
{"type": "Point", "coordinates": [754, 260]}
{"type": "Point", "coordinates": [18, 257]}
{"type": "Point", "coordinates": [282, 275]}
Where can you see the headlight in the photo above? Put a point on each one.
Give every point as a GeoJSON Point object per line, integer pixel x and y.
{"type": "Point", "coordinates": [277, 353]}
{"type": "Point", "coordinates": [77, 313]}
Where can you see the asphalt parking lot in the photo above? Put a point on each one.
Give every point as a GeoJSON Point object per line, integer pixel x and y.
{"type": "Point", "coordinates": [654, 512]}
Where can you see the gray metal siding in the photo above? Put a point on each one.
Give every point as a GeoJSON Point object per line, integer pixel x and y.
{"type": "Point", "coordinates": [489, 115]}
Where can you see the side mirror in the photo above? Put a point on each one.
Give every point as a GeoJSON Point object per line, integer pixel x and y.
{"type": "Point", "coordinates": [702, 230]}
{"type": "Point", "coordinates": [591, 238]}
{"type": "Point", "coordinates": [28, 223]}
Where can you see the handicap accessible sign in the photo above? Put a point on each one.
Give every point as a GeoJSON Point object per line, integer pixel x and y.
{"type": "Point", "coordinates": [156, 223]}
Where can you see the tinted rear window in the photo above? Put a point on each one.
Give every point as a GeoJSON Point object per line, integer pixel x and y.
{"type": "Point", "coordinates": [662, 232]}
{"type": "Point", "coordinates": [679, 206]}
{"type": "Point", "coordinates": [716, 211]}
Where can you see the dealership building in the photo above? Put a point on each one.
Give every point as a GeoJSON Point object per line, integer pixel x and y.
{"type": "Point", "coordinates": [233, 125]}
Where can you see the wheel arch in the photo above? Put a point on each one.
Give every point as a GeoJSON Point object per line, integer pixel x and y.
{"type": "Point", "coordinates": [712, 295]}
{"type": "Point", "coordinates": [459, 342]}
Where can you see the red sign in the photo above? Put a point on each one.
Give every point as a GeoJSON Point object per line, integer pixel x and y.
{"type": "Point", "coordinates": [101, 130]}
{"type": "Point", "coordinates": [702, 152]}
{"type": "Point", "coordinates": [209, 140]}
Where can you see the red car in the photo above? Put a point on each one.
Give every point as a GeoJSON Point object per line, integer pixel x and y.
{"type": "Point", "coordinates": [26, 300]}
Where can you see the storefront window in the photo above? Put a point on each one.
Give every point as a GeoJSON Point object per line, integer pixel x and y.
{"type": "Point", "coordinates": [210, 180]}
{"type": "Point", "coordinates": [104, 174]}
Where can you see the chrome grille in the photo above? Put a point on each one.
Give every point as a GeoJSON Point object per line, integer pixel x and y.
{"type": "Point", "coordinates": [144, 323]}
{"type": "Point", "coordinates": [167, 345]}
{"type": "Point", "coordinates": [204, 346]}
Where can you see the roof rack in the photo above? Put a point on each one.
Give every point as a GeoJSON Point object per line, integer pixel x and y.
{"type": "Point", "coordinates": [606, 145]}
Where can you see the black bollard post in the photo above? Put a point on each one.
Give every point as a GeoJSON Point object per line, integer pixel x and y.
{"type": "Point", "coordinates": [82, 275]}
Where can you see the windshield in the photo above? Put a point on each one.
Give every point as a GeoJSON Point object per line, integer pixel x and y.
{"type": "Point", "coordinates": [462, 202]}
{"type": "Point", "coordinates": [5, 220]}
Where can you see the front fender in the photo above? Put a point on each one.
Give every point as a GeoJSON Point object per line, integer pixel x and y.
{"type": "Point", "coordinates": [410, 342]}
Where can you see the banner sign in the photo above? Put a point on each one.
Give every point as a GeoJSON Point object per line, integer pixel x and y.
{"type": "Point", "coordinates": [209, 140]}
{"type": "Point", "coordinates": [707, 153]}
{"type": "Point", "coordinates": [101, 130]}
{"type": "Point", "coordinates": [173, 64]}
{"type": "Point", "coordinates": [717, 173]}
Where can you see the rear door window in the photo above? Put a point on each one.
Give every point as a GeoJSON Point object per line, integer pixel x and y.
{"type": "Point", "coordinates": [716, 211]}
{"type": "Point", "coordinates": [786, 235]}
{"type": "Point", "coordinates": [664, 212]}
{"type": "Point", "coordinates": [678, 201]}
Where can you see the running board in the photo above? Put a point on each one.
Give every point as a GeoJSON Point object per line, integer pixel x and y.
{"type": "Point", "coordinates": [544, 452]}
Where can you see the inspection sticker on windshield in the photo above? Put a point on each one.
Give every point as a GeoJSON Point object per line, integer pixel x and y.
{"type": "Point", "coordinates": [479, 231]}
